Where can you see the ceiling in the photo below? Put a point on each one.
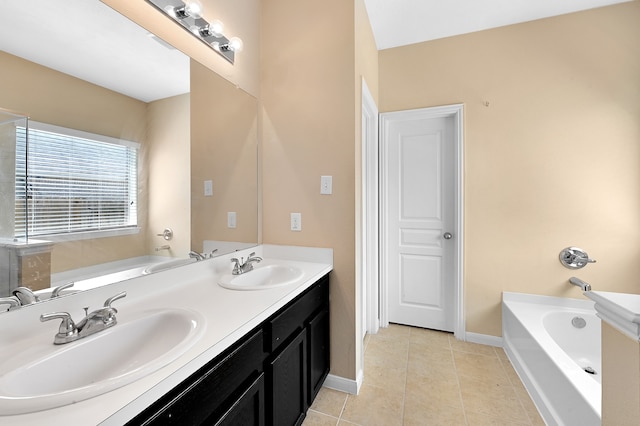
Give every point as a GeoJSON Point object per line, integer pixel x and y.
{"type": "Point", "coordinates": [401, 22]}
{"type": "Point", "coordinates": [87, 39]}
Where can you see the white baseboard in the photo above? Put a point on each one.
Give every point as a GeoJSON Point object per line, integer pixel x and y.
{"type": "Point", "coordinates": [483, 339]}
{"type": "Point", "coordinates": [344, 385]}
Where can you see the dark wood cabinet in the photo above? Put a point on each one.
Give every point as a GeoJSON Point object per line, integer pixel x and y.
{"type": "Point", "coordinates": [318, 364]}
{"type": "Point", "coordinates": [269, 377]}
{"type": "Point", "coordinates": [248, 409]}
{"type": "Point", "coordinates": [288, 380]}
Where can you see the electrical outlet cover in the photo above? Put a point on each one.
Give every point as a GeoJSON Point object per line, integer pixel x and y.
{"type": "Point", "coordinates": [296, 221]}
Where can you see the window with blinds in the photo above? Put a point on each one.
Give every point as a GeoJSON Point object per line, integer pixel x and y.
{"type": "Point", "coordinates": [73, 182]}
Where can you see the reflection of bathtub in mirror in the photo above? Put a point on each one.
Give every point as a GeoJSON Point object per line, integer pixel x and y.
{"type": "Point", "coordinates": [108, 273]}
{"type": "Point", "coordinates": [224, 247]}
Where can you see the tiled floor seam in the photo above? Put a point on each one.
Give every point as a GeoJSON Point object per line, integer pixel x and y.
{"type": "Point", "coordinates": [455, 366]}
{"type": "Point", "coordinates": [509, 376]}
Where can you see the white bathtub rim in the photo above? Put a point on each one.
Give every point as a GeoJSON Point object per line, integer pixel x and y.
{"type": "Point", "coordinates": [576, 375]}
{"type": "Point", "coordinates": [577, 378]}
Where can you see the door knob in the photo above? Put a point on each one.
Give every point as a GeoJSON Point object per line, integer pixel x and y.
{"type": "Point", "coordinates": [448, 235]}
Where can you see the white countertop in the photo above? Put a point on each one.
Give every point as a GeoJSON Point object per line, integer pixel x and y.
{"type": "Point", "coordinates": [620, 310]}
{"type": "Point", "coordinates": [228, 315]}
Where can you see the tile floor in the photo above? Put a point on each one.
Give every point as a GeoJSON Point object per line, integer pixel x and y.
{"type": "Point", "coordinates": [414, 376]}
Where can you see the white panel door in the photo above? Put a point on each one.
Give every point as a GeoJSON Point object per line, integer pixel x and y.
{"type": "Point", "coordinates": [419, 217]}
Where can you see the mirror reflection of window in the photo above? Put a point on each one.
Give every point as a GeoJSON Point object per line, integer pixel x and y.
{"type": "Point", "coordinates": [77, 182]}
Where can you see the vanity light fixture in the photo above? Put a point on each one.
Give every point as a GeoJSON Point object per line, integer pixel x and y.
{"type": "Point", "coordinates": [189, 14]}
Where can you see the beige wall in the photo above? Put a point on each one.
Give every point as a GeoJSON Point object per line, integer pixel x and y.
{"type": "Point", "coordinates": [552, 152]}
{"type": "Point", "coordinates": [52, 97]}
{"type": "Point", "coordinates": [224, 149]}
{"type": "Point", "coordinates": [309, 124]}
{"type": "Point", "coordinates": [240, 19]}
{"type": "Point", "coordinates": [169, 174]}
{"type": "Point", "coordinates": [620, 378]}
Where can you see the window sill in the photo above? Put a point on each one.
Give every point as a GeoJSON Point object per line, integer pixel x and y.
{"type": "Point", "coordinates": [77, 236]}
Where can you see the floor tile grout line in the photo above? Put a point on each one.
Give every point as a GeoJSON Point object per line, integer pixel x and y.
{"type": "Point", "coordinates": [344, 405]}
{"type": "Point", "coordinates": [504, 368]}
{"type": "Point", "coordinates": [455, 367]}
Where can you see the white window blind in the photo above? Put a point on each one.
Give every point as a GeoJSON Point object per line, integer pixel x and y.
{"type": "Point", "coordinates": [76, 182]}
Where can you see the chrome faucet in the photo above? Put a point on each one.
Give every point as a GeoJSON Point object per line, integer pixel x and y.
{"type": "Point", "coordinates": [12, 301]}
{"type": "Point", "coordinates": [25, 296]}
{"type": "Point", "coordinates": [201, 256]}
{"type": "Point", "coordinates": [195, 255]}
{"type": "Point", "coordinates": [578, 282]}
{"type": "Point", "coordinates": [96, 321]}
{"type": "Point", "coordinates": [56, 291]}
{"type": "Point", "coordinates": [240, 266]}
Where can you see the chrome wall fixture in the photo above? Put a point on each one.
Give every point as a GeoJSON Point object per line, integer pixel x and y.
{"type": "Point", "coordinates": [574, 258]}
{"type": "Point", "coordinates": [188, 14]}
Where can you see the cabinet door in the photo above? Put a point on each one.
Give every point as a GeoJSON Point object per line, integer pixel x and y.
{"type": "Point", "coordinates": [248, 410]}
{"type": "Point", "coordinates": [288, 399]}
{"type": "Point", "coordinates": [318, 330]}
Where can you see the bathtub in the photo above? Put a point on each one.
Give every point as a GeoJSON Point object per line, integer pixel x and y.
{"type": "Point", "coordinates": [554, 345]}
{"type": "Point", "coordinates": [107, 273]}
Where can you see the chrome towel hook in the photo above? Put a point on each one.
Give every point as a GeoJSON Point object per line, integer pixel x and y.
{"type": "Point", "coordinates": [574, 258]}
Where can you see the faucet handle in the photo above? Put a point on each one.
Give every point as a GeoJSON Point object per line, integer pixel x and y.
{"type": "Point", "coordinates": [109, 301]}
{"type": "Point", "coordinates": [67, 326]}
{"type": "Point", "coordinates": [12, 301]}
{"type": "Point", "coordinates": [56, 291]}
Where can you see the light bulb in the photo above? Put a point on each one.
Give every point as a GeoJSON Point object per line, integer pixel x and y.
{"type": "Point", "coordinates": [193, 9]}
{"type": "Point", "coordinates": [235, 44]}
{"type": "Point", "coordinates": [216, 28]}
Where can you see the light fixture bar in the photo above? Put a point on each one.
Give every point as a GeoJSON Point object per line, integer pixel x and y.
{"type": "Point", "coordinates": [189, 15]}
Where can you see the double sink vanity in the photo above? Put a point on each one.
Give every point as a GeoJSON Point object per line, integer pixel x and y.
{"type": "Point", "coordinates": [194, 344]}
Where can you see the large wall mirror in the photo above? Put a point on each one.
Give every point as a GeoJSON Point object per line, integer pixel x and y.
{"type": "Point", "coordinates": [79, 65]}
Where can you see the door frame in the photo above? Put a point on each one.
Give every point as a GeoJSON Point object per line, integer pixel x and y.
{"type": "Point", "coordinates": [456, 112]}
{"type": "Point", "coordinates": [370, 213]}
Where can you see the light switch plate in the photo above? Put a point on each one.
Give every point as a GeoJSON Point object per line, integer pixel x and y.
{"type": "Point", "coordinates": [326, 185]}
{"type": "Point", "coordinates": [296, 221]}
{"type": "Point", "coordinates": [231, 219]}
{"type": "Point", "coordinates": [208, 188]}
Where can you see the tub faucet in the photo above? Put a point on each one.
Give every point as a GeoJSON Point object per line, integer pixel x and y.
{"type": "Point", "coordinates": [578, 282]}
{"type": "Point", "coordinates": [240, 266]}
{"type": "Point", "coordinates": [96, 321]}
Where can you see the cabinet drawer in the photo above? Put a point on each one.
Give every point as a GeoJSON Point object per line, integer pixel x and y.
{"type": "Point", "coordinates": [293, 317]}
{"type": "Point", "coordinates": [207, 392]}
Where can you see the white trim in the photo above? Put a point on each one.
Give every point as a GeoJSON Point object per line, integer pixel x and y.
{"type": "Point", "coordinates": [370, 211]}
{"type": "Point", "coordinates": [45, 127]}
{"type": "Point", "coordinates": [90, 235]}
{"type": "Point", "coordinates": [455, 111]}
{"type": "Point", "coordinates": [484, 339]}
{"type": "Point", "coordinates": [344, 385]}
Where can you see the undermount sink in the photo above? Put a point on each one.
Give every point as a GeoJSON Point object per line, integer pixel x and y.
{"type": "Point", "coordinates": [45, 376]}
{"type": "Point", "coordinates": [262, 277]}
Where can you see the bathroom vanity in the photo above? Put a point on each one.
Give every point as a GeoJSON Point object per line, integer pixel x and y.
{"type": "Point", "coordinates": [269, 376]}
{"type": "Point", "coordinates": [185, 350]}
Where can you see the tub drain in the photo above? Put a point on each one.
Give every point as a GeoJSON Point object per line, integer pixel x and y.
{"type": "Point", "coordinates": [590, 370]}
{"type": "Point", "coordinates": [578, 322]}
